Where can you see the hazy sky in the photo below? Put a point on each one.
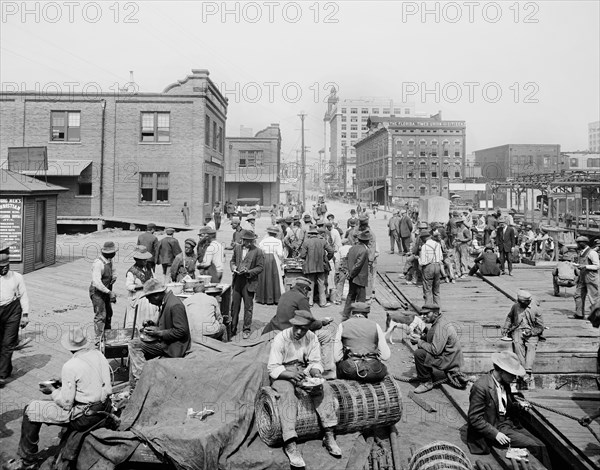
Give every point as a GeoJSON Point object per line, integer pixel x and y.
{"type": "Point", "coordinates": [518, 72]}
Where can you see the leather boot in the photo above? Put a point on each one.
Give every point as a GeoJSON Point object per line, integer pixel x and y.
{"type": "Point", "coordinates": [291, 450]}
{"type": "Point", "coordinates": [331, 445]}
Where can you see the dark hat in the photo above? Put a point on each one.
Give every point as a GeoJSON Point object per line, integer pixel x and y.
{"type": "Point", "coordinates": [302, 318]}
{"type": "Point", "coordinates": [235, 219]}
{"type": "Point", "coordinates": [109, 247]}
{"type": "Point", "coordinates": [302, 281]}
{"type": "Point", "coordinates": [4, 259]}
{"type": "Point", "coordinates": [296, 217]}
{"type": "Point", "coordinates": [273, 229]}
{"type": "Point", "coordinates": [508, 362]}
{"type": "Point", "coordinates": [328, 225]}
{"type": "Point", "coordinates": [352, 222]}
{"type": "Point", "coordinates": [307, 217]}
{"type": "Point", "coordinates": [597, 241]}
{"type": "Point", "coordinates": [203, 230]}
{"type": "Point", "coordinates": [489, 248]}
{"type": "Point", "coordinates": [189, 241]}
{"type": "Point", "coordinates": [352, 211]}
{"type": "Point", "coordinates": [74, 340]}
{"type": "Point", "coordinates": [169, 231]}
{"type": "Point", "coordinates": [151, 225]}
{"type": "Point", "coordinates": [424, 233]}
{"type": "Point", "coordinates": [455, 214]}
{"type": "Point", "coordinates": [320, 223]}
{"type": "Point", "coordinates": [250, 217]}
{"type": "Point", "coordinates": [153, 286]}
{"type": "Point", "coordinates": [360, 307]}
{"type": "Point", "coordinates": [313, 229]}
{"type": "Point", "coordinates": [288, 220]}
{"type": "Point", "coordinates": [512, 211]}
{"type": "Point", "coordinates": [430, 307]}
{"type": "Point", "coordinates": [423, 226]}
{"type": "Point", "coordinates": [364, 236]}
{"type": "Point", "coordinates": [502, 219]}
{"type": "Point", "coordinates": [248, 235]}
{"type": "Point", "coordinates": [582, 238]}
{"type": "Point", "coordinates": [330, 216]}
{"type": "Point", "coordinates": [141, 252]}
{"type": "Point", "coordinates": [363, 218]}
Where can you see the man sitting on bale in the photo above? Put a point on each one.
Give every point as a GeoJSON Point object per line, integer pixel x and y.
{"type": "Point", "coordinates": [360, 346]}
{"type": "Point", "coordinates": [440, 350]}
{"type": "Point", "coordinates": [297, 299]}
{"type": "Point", "coordinates": [169, 338]}
{"type": "Point", "coordinates": [493, 411]}
{"type": "Point", "coordinates": [294, 354]}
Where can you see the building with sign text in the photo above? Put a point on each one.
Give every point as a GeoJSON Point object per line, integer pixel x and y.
{"type": "Point", "coordinates": [124, 155]}
{"type": "Point", "coordinates": [403, 159]}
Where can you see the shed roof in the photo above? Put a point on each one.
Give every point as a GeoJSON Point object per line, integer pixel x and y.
{"type": "Point", "coordinates": [16, 183]}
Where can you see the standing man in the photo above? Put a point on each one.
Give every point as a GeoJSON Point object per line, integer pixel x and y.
{"type": "Point", "coordinates": [440, 349]}
{"type": "Point", "coordinates": [494, 411]}
{"type": "Point", "coordinates": [405, 231]}
{"type": "Point", "coordinates": [352, 217]}
{"type": "Point", "coordinates": [524, 324]}
{"type": "Point", "coordinates": [430, 259]}
{"type": "Point", "coordinates": [170, 337]}
{"type": "Point", "coordinates": [461, 242]}
{"type": "Point", "coordinates": [168, 249]}
{"type": "Point", "coordinates": [587, 282]}
{"type": "Point", "coordinates": [184, 264]}
{"type": "Point", "coordinates": [316, 252]}
{"type": "Point", "coordinates": [209, 222]}
{"type": "Point", "coordinates": [393, 232]}
{"type": "Point", "coordinates": [185, 210]}
{"type": "Point", "coordinates": [236, 239]}
{"type": "Point", "coordinates": [217, 214]}
{"type": "Point", "coordinates": [101, 294]}
{"type": "Point", "coordinates": [505, 240]}
{"type": "Point", "coordinates": [358, 273]}
{"type": "Point", "coordinates": [213, 259]}
{"type": "Point", "coordinates": [14, 313]}
{"type": "Point", "coordinates": [246, 264]}
{"type": "Point", "coordinates": [149, 240]}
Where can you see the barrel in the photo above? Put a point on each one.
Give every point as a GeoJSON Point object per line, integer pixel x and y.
{"type": "Point", "coordinates": [360, 406]}
{"type": "Point", "coordinates": [440, 455]}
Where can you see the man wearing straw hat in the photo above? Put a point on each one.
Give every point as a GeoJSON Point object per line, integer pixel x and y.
{"type": "Point", "coordinates": [101, 294]}
{"type": "Point", "coordinates": [588, 265]}
{"type": "Point", "coordinates": [86, 387]}
{"type": "Point", "coordinates": [295, 355]}
{"type": "Point", "coordinates": [494, 411]}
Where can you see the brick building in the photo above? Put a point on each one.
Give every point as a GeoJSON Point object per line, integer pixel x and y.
{"type": "Point", "coordinates": [402, 159]}
{"type": "Point", "coordinates": [125, 156]}
{"type": "Point", "coordinates": [252, 166]}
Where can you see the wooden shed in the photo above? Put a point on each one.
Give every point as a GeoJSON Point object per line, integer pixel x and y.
{"type": "Point", "coordinates": [28, 220]}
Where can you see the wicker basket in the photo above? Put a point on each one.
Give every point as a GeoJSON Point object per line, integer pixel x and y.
{"type": "Point", "coordinates": [440, 455]}
{"type": "Point", "coordinates": [361, 406]}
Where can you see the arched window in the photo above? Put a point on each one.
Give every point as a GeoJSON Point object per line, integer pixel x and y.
{"type": "Point", "coordinates": [445, 142]}
{"type": "Point", "coordinates": [398, 162]}
{"type": "Point", "coordinates": [411, 187]}
{"type": "Point", "coordinates": [398, 141]}
{"type": "Point", "coordinates": [423, 163]}
{"type": "Point", "coordinates": [411, 162]}
{"type": "Point", "coordinates": [457, 142]}
{"type": "Point", "coordinates": [411, 142]}
{"type": "Point", "coordinates": [399, 187]}
{"type": "Point", "coordinates": [422, 142]}
{"type": "Point", "coordinates": [434, 142]}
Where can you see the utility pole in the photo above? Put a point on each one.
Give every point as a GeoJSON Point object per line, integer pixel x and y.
{"type": "Point", "coordinates": [303, 175]}
{"type": "Point", "coordinates": [345, 170]}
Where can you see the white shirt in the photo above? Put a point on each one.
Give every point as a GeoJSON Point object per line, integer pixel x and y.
{"type": "Point", "coordinates": [338, 348]}
{"type": "Point", "coordinates": [211, 224]}
{"type": "Point", "coordinates": [285, 350]}
{"type": "Point", "coordinates": [97, 269]}
{"type": "Point", "coordinates": [12, 287]}
{"type": "Point", "coordinates": [336, 238]}
{"type": "Point", "coordinates": [502, 399]}
{"type": "Point", "coordinates": [214, 254]}
{"type": "Point", "coordinates": [431, 252]}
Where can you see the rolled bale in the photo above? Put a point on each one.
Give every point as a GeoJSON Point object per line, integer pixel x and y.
{"type": "Point", "coordinates": [360, 406]}
{"type": "Point", "coordinates": [440, 455]}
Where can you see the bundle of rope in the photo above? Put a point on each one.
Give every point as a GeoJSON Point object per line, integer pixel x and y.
{"type": "Point", "coordinates": [440, 455]}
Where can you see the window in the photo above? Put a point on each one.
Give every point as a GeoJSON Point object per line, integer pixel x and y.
{"type": "Point", "coordinates": [410, 174]}
{"type": "Point", "coordinates": [363, 128]}
{"type": "Point", "coordinates": [399, 187]}
{"type": "Point", "coordinates": [251, 158]}
{"type": "Point", "coordinates": [422, 153]}
{"type": "Point", "coordinates": [422, 190]}
{"type": "Point", "coordinates": [353, 135]}
{"type": "Point", "coordinates": [422, 142]}
{"type": "Point", "coordinates": [155, 127]}
{"type": "Point", "coordinates": [434, 142]}
{"type": "Point", "coordinates": [457, 154]}
{"type": "Point", "coordinates": [386, 110]}
{"type": "Point", "coordinates": [397, 111]}
{"type": "Point", "coordinates": [84, 182]}
{"type": "Point", "coordinates": [406, 110]}
{"type": "Point", "coordinates": [206, 187]}
{"type": "Point", "coordinates": [411, 187]}
{"type": "Point", "coordinates": [66, 126]}
{"type": "Point", "coordinates": [154, 188]}
{"type": "Point", "coordinates": [445, 174]}
{"type": "Point", "coordinates": [214, 133]}
{"type": "Point", "coordinates": [221, 140]}
{"type": "Point", "coordinates": [457, 142]}
{"type": "Point", "coordinates": [353, 119]}
{"type": "Point", "coordinates": [343, 127]}
{"type": "Point", "coordinates": [214, 189]}
{"type": "Point", "coordinates": [354, 127]}
{"type": "Point", "coordinates": [445, 153]}
{"type": "Point", "coordinates": [457, 174]}
{"type": "Point", "coordinates": [398, 162]}
{"type": "Point", "coordinates": [343, 110]}
{"type": "Point", "coordinates": [365, 110]}
{"type": "Point", "coordinates": [343, 118]}
{"type": "Point", "coordinates": [593, 162]}
{"type": "Point", "coordinates": [364, 119]}
{"type": "Point", "coordinates": [411, 142]}
{"type": "Point", "coordinates": [353, 110]}
{"type": "Point", "coordinates": [422, 174]}
{"type": "Point", "coordinates": [434, 174]}
{"type": "Point", "coordinates": [206, 129]}
{"type": "Point", "coordinates": [343, 135]}
{"type": "Point", "coordinates": [375, 110]}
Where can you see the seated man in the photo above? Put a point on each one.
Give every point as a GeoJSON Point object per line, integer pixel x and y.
{"type": "Point", "coordinates": [294, 353]}
{"type": "Point", "coordinates": [493, 411]}
{"type": "Point", "coordinates": [440, 349]}
{"type": "Point", "coordinates": [204, 316]}
{"type": "Point", "coordinates": [563, 276]}
{"type": "Point", "coordinates": [86, 385]}
{"type": "Point", "coordinates": [360, 346]}
{"type": "Point", "coordinates": [170, 338]}
{"type": "Point", "coordinates": [297, 299]}
{"type": "Point", "coordinates": [487, 263]}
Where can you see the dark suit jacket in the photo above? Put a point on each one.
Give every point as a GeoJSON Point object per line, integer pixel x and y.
{"type": "Point", "coordinates": [254, 262]}
{"type": "Point", "coordinates": [483, 413]}
{"type": "Point", "coordinates": [168, 249]}
{"type": "Point", "coordinates": [173, 323]}
{"type": "Point", "coordinates": [406, 226]}
{"type": "Point", "coordinates": [316, 252]}
{"type": "Point", "coordinates": [506, 238]}
{"type": "Point", "coordinates": [358, 264]}
{"type": "Point", "coordinates": [151, 243]}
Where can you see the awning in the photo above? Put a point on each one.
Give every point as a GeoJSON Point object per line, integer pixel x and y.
{"type": "Point", "coordinates": [61, 168]}
{"type": "Point", "coordinates": [370, 189]}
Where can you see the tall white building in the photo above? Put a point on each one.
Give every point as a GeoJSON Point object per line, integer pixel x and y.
{"type": "Point", "coordinates": [594, 136]}
{"type": "Point", "coordinates": [345, 123]}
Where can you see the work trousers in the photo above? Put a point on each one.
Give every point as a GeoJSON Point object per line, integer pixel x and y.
{"type": "Point", "coordinates": [139, 354]}
{"type": "Point", "coordinates": [431, 283]}
{"type": "Point", "coordinates": [505, 255]}
{"type": "Point", "coordinates": [103, 312]}
{"type": "Point", "coordinates": [447, 269]}
{"type": "Point", "coordinates": [395, 241]}
{"type": "Point", "coordinates": [240, 292]}
{"type": "Point", "coordinates": [406, 244]}
{"type": "Point", "coordinates": [287, 406]}
{"type": "Point", "coordinates": [524, 347]}
{"type": "Point", "coordinates": [583, 290]}
{"type": "Point", "coordinates": [368, 370]}
{"type": "Point", "coordinates": [462, 259]}
{"type": "Point", "coordinates": [356, 293]}
{"type": "Point", "coordinates": [326, 336]}
{"type": "Point", "coordinates": [340, 281]}
{"type": "Point", "coordinates": [521, 438]}
{"type": "Point", "coordinates": [10, 319]}
{"type": "Point", "coordinates": [371, 279]}
{"type": "Point", "coordinates": [317, 279]}
{"type": "Point", "coordinates": [217, 218]}
{"type": "Point", "coordinates": [424, 373]}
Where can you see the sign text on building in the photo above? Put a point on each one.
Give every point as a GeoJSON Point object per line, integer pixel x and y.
{"type": "Point", "coordinates": [11, 225]}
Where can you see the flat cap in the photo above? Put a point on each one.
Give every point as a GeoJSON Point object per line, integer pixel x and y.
{"type": "Point", "coordinates": [360, 307]}
{"type": "Point", "coordinates": [582, 238]}
{"type": "Point", "coordinates": [523, 295]}
{"type": "Point", "coordinates": [430, 307]}
{"type": "Point", "coordinates": [302, 281]}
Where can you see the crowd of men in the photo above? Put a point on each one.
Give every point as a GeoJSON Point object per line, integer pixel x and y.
{"type": "Point", "coordinates": [305, 352]}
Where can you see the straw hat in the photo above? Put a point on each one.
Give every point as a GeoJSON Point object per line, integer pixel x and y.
{"type": "Point", "coordinates": [75, 340]}
{"type": "Point", "coordinates": [153, 286]}
{"type": "Point", "coordinates": [364, 236]}
{"type": "Point", "coordinates": [109, 247]}
{"type": "Point", "coordinates": [508, 362]}
{"type": "Point", "coordinates": [141, 252]}
{"type": "Point", "coordinates": [169, 231]}
{"type": "Point", "coordinates": [274, 230]}
{"type": "Point", "coordinates": [248, 235]}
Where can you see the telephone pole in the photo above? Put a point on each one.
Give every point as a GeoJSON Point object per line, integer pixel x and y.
{"type": "Point", "coordinates": [303, 174]}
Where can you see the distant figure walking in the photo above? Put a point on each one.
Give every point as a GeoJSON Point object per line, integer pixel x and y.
{"type": "Point", "coordinates": [185, 210]}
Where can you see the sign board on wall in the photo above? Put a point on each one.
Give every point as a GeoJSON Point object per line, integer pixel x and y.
{"type": "Point", "coordinates": [11, 225]}
{"type": "Point", "coordinates": [27, 159]}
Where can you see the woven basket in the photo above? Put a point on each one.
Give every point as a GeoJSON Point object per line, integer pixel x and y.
{"type": "Point", "coordinates": [440, 455]}
{"type": "Point", "coordinates": [360, 406]}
